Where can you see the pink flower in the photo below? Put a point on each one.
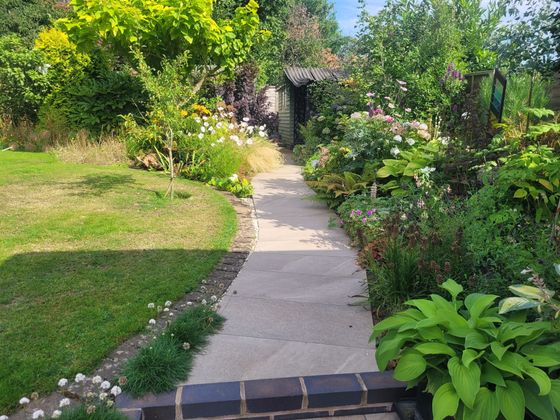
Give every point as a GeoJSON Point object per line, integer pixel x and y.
{"type": "Point", "coordinates": [370, 94]}
{"type": "Point", "coordinates": [364, 220]}
{"type": "Point", "coordinates": [389, 119]}
{"type": "Point", "coordinates": [407, 110]}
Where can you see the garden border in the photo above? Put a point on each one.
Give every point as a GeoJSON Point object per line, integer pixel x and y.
{"type": "Point", "coordinates": [216, 284]}
{"type": "Point", "coordinates": [274, 399]}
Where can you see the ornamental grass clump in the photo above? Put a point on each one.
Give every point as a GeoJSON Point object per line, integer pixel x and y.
{"type": "Point", "coordinates": [476, 363]}
{"type": "Point", "coordinates": [168, 359]}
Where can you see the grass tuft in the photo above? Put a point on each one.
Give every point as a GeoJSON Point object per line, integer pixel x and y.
{"type": "Point", "coordinates": [166, 361]}
{"type": "Point", "coordinates": [107, 150]}
{"type": "Point", "coordinates": [102, 412]}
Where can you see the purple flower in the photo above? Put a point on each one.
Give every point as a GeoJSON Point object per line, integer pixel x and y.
{"type": "Point", "coordinates": [358, 212]}
{"type": "Point", "coordinates": [364, 220]}
{"type": "Point", "coordinates": [370, 94]}
{"type": "Point", "coordinates": [371, 212]}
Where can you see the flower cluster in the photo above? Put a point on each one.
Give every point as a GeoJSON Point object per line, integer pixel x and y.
{"type": "Point", "coordinates": [364, 218]}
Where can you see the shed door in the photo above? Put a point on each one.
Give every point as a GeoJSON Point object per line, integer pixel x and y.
{"type": "Point", "coordinates": [301, 111]}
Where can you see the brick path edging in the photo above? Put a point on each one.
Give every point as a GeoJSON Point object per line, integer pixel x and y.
{"type": "Point", "coordinates": [273, 399]}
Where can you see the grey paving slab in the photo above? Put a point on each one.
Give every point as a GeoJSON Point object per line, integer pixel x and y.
{"type": "Point", "coordinates": [292, 309]}
{"type": "Point", "coordinates": [267, 358]}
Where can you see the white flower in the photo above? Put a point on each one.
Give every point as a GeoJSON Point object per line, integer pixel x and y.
{"type": "Point", "coordinates": [400, 82]}
{"type": "Point", "coordinates": [231, 126]}
{"type": "Point", "coordinates": [203, 129]}
{"type": "Point", "coordinates": [262, 127]}
{"type": "Point", "coordinates": [96, 380]}
{"type": "Point", "coordinates": [526, 271]}
{"type": "Point", "coordinates": [422, 127]}
{"type": "Point", "coordinates": [395, 151]}
{"type": "Point", "coordinates": [219, 124]}
{"type": "Point", "coordinates": [206, 124]}
{"type": "Point", "coordinates": [403, 89]}
{"type": "Point", "coordinates": [426, 170]}
{"type": "Point", "coordinates": [56, 414]}
{"type": "Point", "coordinates": [152, 322]}
{"type": "Point", "coordinates": [314, 163]}
{"type": "Point", "coordinates": [356, 115]}
{"type": "Point", "coordinates": [392, 106]}
{"type": "Point", "coordinates": [186, 346]}
{"type": "Point", "coordinates": [410, 141]}
{"type": "Point", "coordinates": [249, 141]}
{"type": "Point", "coordinates": [403, 216]}
{"type": "Point", "coordinates": [234, 177]}
{"type": "Point", "coordinates": [103, 396]}
{"type": "Point", "coordinates": [221, 140]}
{"type": "Point", "coordinates": [110, 403]}
{"type": "Point", "coordinates": [37, 414]}
{"type": "Point", "coordinates": [214, 298]}
{"type": "Point", "coordinates": [262, 134]}
{"type": "Point", "coordinates": [246, 119]}
{"type": "Point", "coordinates": [105, 385]}
{"type": "Point", "coordinates": [204, 302]}
{"type": "Point", "coordinates": [166, 310]}
{"type": "Point", "coordinates": [189, 303]}
{"type": "Point", "coordinates": [168, 303]}
{"type": "Point", "coordinates": [116, 390]}
{"type": "Point", "coordinates": [151, 305]}
{"type": "Point", "coordinates": [234, 138]}
{"type": "Point", "coordinates": [65, 402]}
{"type": "Point", "coordinates": [220, 108]}
{"type": "Point", "coordinates": [198, 120]}
{"type": "Point", "coordinates": [4, 418]}
{"type": "Point", "coordinates": [24, 401]}
{"type": "Point", "coordinates": [444, 141]}
{"type": "Point", "coordinates": [63, 382]}
{"type": "Point", "coordinates": [200, 136]}
{"type": "Point", "coordinates": [397, 138]}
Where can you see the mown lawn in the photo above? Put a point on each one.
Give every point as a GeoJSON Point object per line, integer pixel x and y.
{"type": "Point", "coordinates": [83, 250]}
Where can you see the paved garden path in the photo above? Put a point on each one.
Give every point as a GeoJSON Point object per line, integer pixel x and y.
{"type": "Point", "coordinates": [290, 311]}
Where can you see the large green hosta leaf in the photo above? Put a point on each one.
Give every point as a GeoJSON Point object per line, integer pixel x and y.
{"type": "Point", "coordinates": [410, 367]}
{"type": "Point", "coordinates": [511, 401]}
{"type": "Point", "coordinates": [445, 402]}
{"type": "Point", "coordinates": [485, 407]}
{"type": "Point", "coordinates": [466, 380]}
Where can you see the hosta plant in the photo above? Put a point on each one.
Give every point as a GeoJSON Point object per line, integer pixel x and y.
{"type": "Point", "coordinates": [476, 363]}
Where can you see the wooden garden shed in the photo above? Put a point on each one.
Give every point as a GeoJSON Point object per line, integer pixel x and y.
{"type": "Point", "coordinates": [294, 107]}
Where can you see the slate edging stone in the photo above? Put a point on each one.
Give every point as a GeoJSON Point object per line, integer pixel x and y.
{"type": "Point", "coordinates": [277, 399]}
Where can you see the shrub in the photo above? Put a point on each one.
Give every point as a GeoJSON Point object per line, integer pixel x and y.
{"type": "Point", "coordinates": [476, 363]}
{"type": "Point", "coordinates": [24, 81]}
{"type": "Point", "coordinates": [85, 412]}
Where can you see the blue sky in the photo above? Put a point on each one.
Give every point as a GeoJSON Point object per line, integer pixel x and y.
{"type": "Point", "coordinates": [347, 12]}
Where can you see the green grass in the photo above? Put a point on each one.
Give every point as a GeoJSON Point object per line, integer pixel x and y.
{"type": "Point", "coordinates": [102, 412]}
{"type": "Point", "coordinates": [163, 363]}
{"type": "Point", "coordinates": [83, 250]}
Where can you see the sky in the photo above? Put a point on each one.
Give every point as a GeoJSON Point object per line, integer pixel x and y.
{"type": "Point", "coordinates": [347, 13]}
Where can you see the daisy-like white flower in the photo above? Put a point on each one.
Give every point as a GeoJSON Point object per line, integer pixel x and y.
{"type": "Point", "coordinates": [65, 402]}
{"type": "Point", "coordinates": [410, 141]}
{"type": "Point", "coordinates": [62, 382]}
{"type": "Point", "coordinates": [116, 391]}
{"type": "Point", "coordinates": [397, 138]}
{"type": "Point", "coordinates": [103, 396]}
{"type": "Point", "coordinates": [96, 380]}
{"type": "Point", "coordinates": [206, 124]}
{"type": "Point", "coordinates": [168, 303]}
{"type": "Point", "coordinates": [105, 385]}
{"type": "Point", "coordinates": [201, 136]}
{"type": "Point", "coordinates": [24, 401]}
{"type": "Point", "coordinates": [186, 346]}
{"type": "Point", "coordinates": [56, 414]}
{"type": "Point", "coordinates": [214, 298]}
{"type": "Point", "coordinates": [151, 305]}
{"type": "Point", "coordinates": [37, 414]}
{"type": "Point", "coordinates": [395, 151]}
{"type": "Point", "coordinates": [80, 377]}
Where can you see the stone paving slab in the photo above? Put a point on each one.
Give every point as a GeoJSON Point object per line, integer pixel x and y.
{"type": "Point", "coordinates": [291, 310]}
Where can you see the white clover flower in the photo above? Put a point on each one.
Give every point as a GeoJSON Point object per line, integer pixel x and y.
{"type": "Point", "coordinates": [204, 302]}
{"type": "Point", "coordinates": [404, 216]}
{"type": "Point", "coordinates": [214, 298]}
{"type": "Point", "coordinates": [96, 380]}
{"type": "Point", "coordinates": [103, 396]}
{"type": "Point", "coordinates": [186, 346]}
{"type": "Point", "coordinates": [62, 382]}
{"type": "Point", "coordinates": [116, 391]}
{"type": "Point", "coordinates": [37, 414]}
{"type": "Point", "coordinates": [151, 305]}
{"type": "Point", "coordinates": [80, 377]}
{"type": "Point", "coordinates": [56, 414]}
{"type": "Point", "coordinates": [249, 141]}
{"type": "Point", "coordinates": [395, 151]}
{"type": "Point", "coordinates": [65, 402]}
{"type": "Point", "coordinates": [410, 141]}
{"type": "Point", "coordinates": [168, 303]}
{"type": "Point", "coordinates": [24, 401]}
{"type": "Point", "coordinates": [152, 322]}
{"type": "Point", "coordinates": [397, 138]}
{"type": "Point", "coordinates": [105, 385]}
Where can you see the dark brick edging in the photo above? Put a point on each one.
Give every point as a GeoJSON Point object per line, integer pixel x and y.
{"type": "Point", "coordinates": [273, 399]}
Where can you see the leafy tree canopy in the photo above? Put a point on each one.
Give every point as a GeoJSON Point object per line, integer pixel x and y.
{"type": "Point", "coordinates": [165, 29]}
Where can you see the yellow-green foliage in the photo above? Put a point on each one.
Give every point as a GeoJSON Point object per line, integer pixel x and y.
{"type": "Point", "coordinates": [62, 55]}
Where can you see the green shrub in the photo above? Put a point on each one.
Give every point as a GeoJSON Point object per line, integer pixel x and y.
{"type": "Point", "coordinates": [101, 412]}
{"type": "Point", "coordinates": [239, 187]}
{"type": "Point", "coordinates": [24, 81]}
{"type": "Point", "coordinates": [476, 363]}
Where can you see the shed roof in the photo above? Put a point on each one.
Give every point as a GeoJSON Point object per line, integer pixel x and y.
{"type": "Point", "coordinates": [301, 76]}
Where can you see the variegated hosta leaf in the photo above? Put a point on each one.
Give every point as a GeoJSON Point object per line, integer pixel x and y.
{"type": "Point", "coordinates": [530, 292]}
{"type": "Point", "coordinates": [516, 304]}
